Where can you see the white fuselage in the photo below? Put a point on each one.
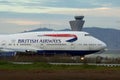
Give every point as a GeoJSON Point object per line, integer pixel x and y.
{"type": "Point", "coordinates": [73, 42]}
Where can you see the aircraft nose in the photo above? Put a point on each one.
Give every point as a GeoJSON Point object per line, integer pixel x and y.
{"type": "Point", "coordinates": [103, 45]}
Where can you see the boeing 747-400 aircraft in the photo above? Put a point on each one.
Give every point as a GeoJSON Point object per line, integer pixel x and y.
{"type": "Point", "coordinates": [76, 43]}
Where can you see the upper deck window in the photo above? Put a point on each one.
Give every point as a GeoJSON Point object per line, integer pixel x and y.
{"type": "Point", "coordinates": [87, 35]}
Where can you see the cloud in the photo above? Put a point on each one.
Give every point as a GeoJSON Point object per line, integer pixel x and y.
{"type": "Point", "coordinates": [107, 3]}
{"type": "Point", "coordinates": [62, 3]}
{"type": "Point", "coordinates": [102, 11]}
{"type": "Point", "coordinates": [21, 22]}
{"type": "Point", "coordinates": [24, 22]}
{"type": "Point", "coordinates": [64, 7]}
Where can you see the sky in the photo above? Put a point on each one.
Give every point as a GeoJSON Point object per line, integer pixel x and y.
{"type": "Point", "coordinates": [22, 15]}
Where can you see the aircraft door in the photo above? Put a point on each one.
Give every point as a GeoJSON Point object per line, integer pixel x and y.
{"type": "Point", "coordinates": [3, 44]}
{"type": "Point", "coordinates": [72, 46]}
{"type": "Point", "coordinates": [41, 46]}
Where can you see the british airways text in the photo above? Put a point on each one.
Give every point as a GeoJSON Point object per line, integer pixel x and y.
{"type": "Point", "coordinates": [39, 41]}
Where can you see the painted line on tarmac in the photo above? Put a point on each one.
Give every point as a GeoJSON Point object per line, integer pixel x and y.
{"type": "Point", "coordinates": [107, 65]}
{"type": "Point", "coordinates": [22, 63]}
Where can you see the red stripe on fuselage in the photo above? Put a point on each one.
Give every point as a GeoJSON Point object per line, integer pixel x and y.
{"type": "Point", "coordinates": [61, 35]}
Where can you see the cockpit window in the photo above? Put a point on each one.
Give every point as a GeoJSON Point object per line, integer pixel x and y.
{"type": "Point", "coordinates": [87, 35]}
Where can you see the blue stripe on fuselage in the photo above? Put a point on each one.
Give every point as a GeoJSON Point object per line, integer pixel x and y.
{"type": "Point", "coordinates": [71, 40]}
{"type": "Point", "coordinates": [70, 52]}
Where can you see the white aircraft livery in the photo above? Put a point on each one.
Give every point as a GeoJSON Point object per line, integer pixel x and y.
{"type": "Point", "coordinates": [78, 43]}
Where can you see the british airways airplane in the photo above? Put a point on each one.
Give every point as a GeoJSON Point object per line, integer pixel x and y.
{"type": "Point", "coordinates": [75, 43]}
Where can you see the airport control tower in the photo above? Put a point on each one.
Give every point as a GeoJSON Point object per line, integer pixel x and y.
{"type": "Point", "coordinates": [77, 24]}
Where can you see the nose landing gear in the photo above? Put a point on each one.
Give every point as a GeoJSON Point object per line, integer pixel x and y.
{"type": "Point", "coordinates": [82, 58]}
